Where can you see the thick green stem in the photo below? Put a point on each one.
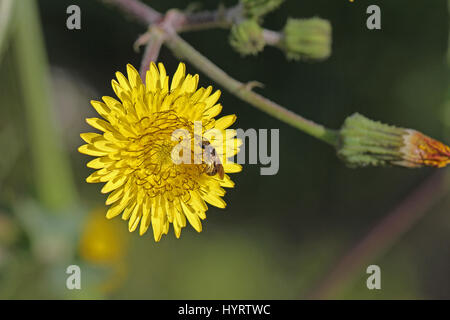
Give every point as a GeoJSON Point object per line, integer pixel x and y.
{"type": "Point", "coordinates": [53, 177]}
{"type": "Point", "coordinates": [244, 92]}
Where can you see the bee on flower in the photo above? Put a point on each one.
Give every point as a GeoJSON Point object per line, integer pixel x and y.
{"type": "Point", "coordinates": [134, 151]}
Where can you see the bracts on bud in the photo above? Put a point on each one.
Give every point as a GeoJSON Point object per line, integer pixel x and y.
{"type": "Point", "coordinates": [307, 39]}
{"type": "Point", "coordinates": [364, 142]}
{"type": "Point", "coordinates": [247, 37]}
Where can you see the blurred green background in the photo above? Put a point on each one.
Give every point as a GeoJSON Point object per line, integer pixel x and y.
{"type": "Point", "coordinates": [280, 235]}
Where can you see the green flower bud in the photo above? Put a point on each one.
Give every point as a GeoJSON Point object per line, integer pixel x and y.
{"type": "Point", "coordinates": [364, 142]}
{"type": "Point", "coordinates": [307, 39]}
{"type": "Point", "coordinates": [247, 37]}
{"type": "Point", "coordinates": [259, 8]}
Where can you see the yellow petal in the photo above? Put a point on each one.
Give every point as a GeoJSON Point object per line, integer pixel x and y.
{"type": "Point", "coordinates": [145, 223]}
{"type": "Point", "coordinates": [212, 99]}
{"type": "Point", "coordinates": [152, 78]}
{"type": "Point", "coordinates": [123, 81]}
{"type": "Point", "coordinates": [231, 167]}
{"type": "Point", "coordinates": [135, 218]}
{"type": "Point", "coordinates": [226, 182]}
{"type": "Point", "coordinates": [133, 76]}
{"type": "Point", "coordinates": [129, 210]}
{"type": "Point", "coordinates": [116, 209]}
{"type": "Point", "coordinates": [214, 200]}
{"type": "Point", "coordinates": [99, 163]}
{"type": "Point", "coordinates": [101, 108]}
{"type": "Point", "coordinates": [146, 216]}
{"type": "Point", "coordinates": [162, 74]}
{"type": "Point", "coordinates": [89, 136]}
{"type": "Point", "coordinates": [178, 76]}
{"type": "Point", "coordinates": [225, 122]}
{"type": "Point", "coordinates": [115, 105]}
{"type": "Point", "coordinates": [191, 216]}
{"type": "Point", "coordinates": [104, 145]}
{"type": "Point", "coordinates": [212, 111]}
{"type": "Point", "coordinates": [114, 196]}
{"type": "Point", "coordinates": [91, 150]}
{"type": "Point", "coordinates": [114, 184]}
{"type": "Point", "coordinates": [119, 91]}
{"type": "Point", "coordinates": [177, 230]}
{"type": "Point", "coordinates": [94, 178]}
{"type": "Point", "coordinates": [197, 202]}
{"type": "Point", "coordinates": [99, 124]}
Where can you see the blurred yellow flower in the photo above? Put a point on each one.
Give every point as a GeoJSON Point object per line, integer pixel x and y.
{"type": "Point", "coordinates": [102, 242]}
{"type": "Point", "coordinates": [135, 150]}
{"type": "Point", "coordinates": [105, 244]}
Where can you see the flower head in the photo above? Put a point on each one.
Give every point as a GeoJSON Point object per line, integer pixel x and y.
{"type": "Point", "coordinates": [137, 151]}
{"type": "Point", "coordinates": [365, 142]}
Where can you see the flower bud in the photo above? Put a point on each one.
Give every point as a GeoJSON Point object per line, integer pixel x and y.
{"type": "Point", "coordinates": [247, 37]}
{"type": "Point", "coordinates": [307, 39]}
{"type": "Point", "coordinates": [364, 142]}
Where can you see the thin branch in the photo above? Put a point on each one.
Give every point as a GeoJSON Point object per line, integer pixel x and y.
{"type": "Point", "coordinates": [383, 236]}
{"type": "Point", "coordinates": [272, 38]}
{"type": "Point", "coordinates": [151, 53]}
{"type": "Point", "coordinates": [221, 18]}
{"type": "Point", "coordinates": [138, 10]}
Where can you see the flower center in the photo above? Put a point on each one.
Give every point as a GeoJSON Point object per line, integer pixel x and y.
{"type": "Point", "coordinates": [151, 160]}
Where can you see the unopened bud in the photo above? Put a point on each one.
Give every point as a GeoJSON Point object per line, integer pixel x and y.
{"type": "Point", "coordinates": [308, 39]}
{"type": "Point", "coordinates": [247, 37]}
{"type": "Point", "coordinates": [364, 142]}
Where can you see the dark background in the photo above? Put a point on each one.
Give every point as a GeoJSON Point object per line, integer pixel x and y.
{"type": "Point", "coordinates": [279, 235]}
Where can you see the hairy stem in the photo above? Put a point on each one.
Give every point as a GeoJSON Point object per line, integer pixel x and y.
{"type": "Point", "coordinates": [138, 10]}
{"type": "Point", "coordinates": [151, 53]}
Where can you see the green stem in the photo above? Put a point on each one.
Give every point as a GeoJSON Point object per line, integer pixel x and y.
{"type": "Point", "coordinates": [244, 92]}
{"type": "Point", "coordinates": [53, 177]}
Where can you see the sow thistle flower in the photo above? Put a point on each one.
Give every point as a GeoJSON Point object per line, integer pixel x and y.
{"type": "Point", "coordinates": [135, 151]}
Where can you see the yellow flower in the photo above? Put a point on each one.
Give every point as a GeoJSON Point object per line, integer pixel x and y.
{"type": "Point", "coordinates": [102, 242]}
{"type": "Point", "coordinates": [135, 150]}
{"type": "Point", "coordinates": [105, 244]}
